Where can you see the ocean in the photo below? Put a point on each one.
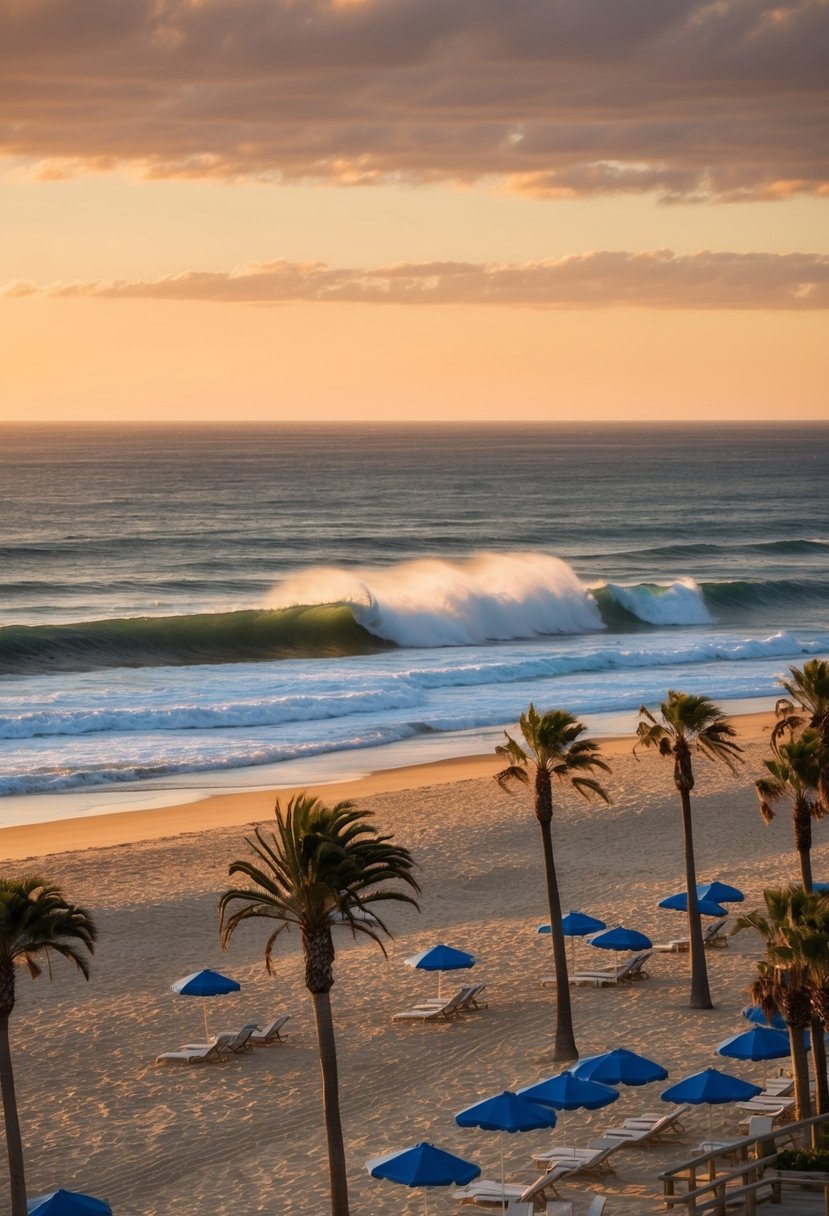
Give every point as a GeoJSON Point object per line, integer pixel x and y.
{"type": "Point", "coordinates": [187, 610]}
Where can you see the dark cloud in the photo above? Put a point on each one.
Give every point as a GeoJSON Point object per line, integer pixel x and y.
{"type": "Point", "coordinates": [591, 280]}
{"type": "Point", "coordinates": [720, 99]}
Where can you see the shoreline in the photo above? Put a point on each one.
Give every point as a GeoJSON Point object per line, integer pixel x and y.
{"type": "Point", "coordinates": [240, 808]}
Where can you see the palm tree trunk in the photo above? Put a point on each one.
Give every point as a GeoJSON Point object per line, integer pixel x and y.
{"type": "Point", "coordinates": [700, 992]}
{"type": "Point", "coordinates": [331, 1104]}
{"type": "Point", "coordinates": [564, 1047]}
{"type": "Point", "coordinates": [14, 1143]}
{"type": "Point", "coordinates": [803, 842]}
{"type": "Point", "coordinates": [800, 1067]}
{"type": "Point", "coordinates": [819, 1067]}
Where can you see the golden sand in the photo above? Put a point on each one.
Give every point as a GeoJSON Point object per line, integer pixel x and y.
{"type": "Point", "coordinates": [245, 1137]}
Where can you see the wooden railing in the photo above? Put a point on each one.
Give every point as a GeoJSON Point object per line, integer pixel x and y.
{"type": "Point", "coordinates": [708, 1184]}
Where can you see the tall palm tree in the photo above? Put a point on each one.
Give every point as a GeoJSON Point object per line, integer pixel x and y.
{"type": "Point", "coordinates": [795, 776]}
{"type": "Point", "coordinates": [322, 868]}
{"type": "Point", "coordinates": [553, 747]}
{"type": "Point", "coordinates": [35, 922]}
{"type": "Point", "coordinates": [690, 723]}
{"type": "Point", "coordinates": [812, 946]}
{"type": "Point", "coordinates": [807, 706]}
{"type": "Point", "coordinates": [783, 977]}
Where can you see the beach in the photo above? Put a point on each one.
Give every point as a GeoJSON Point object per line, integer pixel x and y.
{"type": "Point", "coordinates": [98, 1115]}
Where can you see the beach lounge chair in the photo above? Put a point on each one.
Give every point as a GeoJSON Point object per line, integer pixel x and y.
{"type": "Point", "coordinates": [779, 1086]}
{"type": "Point", "coordinates": [712, 937]}
{"type": "Point", "coordinates": [468, 999]}
{"type": "Point", "coordinates": [196, 1053]}
{"type": "Point", "coordinates": [592, 1160]}
{"type": "Point", "coordinates": [270, 1034]}
{"type": "Point", "coordinates": [755, 1125]}
{"type": "Point", "coordinates": [486, 1191]}
{"type": "Point", "coordinates": [554, 1207]}
{"type": "Point", "coordinates": [633, 969]}
{"type": "Point", "coordinates": [235, 1042]}
{"type": "Point", "coordinates": [647, 1128]}
{"type": "Point", "coordinates": [431, 1013]}
{"type": "Point", "coordinates": [777, 1105]}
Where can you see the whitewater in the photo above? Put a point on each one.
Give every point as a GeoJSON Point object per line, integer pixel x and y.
{"type": "Point", "coordinates": [186, 612]}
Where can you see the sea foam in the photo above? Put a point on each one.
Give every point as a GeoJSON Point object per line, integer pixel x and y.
{"type": "Point", "coordinates": [438, 602]}
{"type": "Point", "coordinates": [678, 603]}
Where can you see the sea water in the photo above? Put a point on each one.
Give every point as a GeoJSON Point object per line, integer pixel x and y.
{"type": "Point", "coordinates": [192, 609]}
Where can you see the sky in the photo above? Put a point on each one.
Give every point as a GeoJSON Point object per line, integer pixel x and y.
{"type": "Point", "coordinates": [479, 210]}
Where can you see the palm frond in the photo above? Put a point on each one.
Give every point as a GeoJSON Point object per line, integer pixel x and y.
{"type": "Point", "coordinates": [318, 861]}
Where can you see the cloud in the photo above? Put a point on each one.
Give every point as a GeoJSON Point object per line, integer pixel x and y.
{"type": "Point", "coordinates": [691, 99]}
{"type": "Point", "coordinates": [605, 279]}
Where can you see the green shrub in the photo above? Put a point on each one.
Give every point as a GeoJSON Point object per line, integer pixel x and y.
{"type": "Point", "coordinates": [804, 1160]}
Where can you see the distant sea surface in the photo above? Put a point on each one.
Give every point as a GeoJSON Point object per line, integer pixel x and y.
{"type": "Point", "coordinates": [181, 604]}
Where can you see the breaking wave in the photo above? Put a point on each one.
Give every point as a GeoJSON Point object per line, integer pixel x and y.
{"type": "Point", "coordinates": [335, 612]}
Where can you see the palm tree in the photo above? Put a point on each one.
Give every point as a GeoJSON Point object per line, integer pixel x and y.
{"type": "Point", "coordinates": [795, 776]}
{"type": "Point", "coordinates": [553, 748]}
{"type": "Point", "coordinates": [35, 921]}
{"type": "Point", "coordinates": [322, 868]}
{"type": "Point", "coordinates": [783, 977]}
{"type": "Point", "coordinates": [690, 723]}
{"type": "Point", "coordinates": [807, 706]}
{"type": "Point", "coordinates": [812, 946]}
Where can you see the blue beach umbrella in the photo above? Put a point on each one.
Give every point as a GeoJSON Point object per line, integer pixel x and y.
{"type": "Point", "coordinates": [620, 939]}
{"type": "Point", "coordinates": [710, 1087]}
{"type": "Point", "coordinates": [67, 1203]}
{"type": "Point", "coordinates": [205, 983]}
{"type": "Point", "coordinates": [720, 892]}
{"type": "Point", "coordinates": [441, 958]}
{"type": "Point", "coordinates": [753, 1013]}
{"type": "Point", "coordinates": [679, 903]}
{"type": "Point", "coordinates": [424, 1165]}
{"type": "Point", "coordinates": [506, 1112]}
{"type": "Point", "coordinates": [820, 887]}
{"type": "Point", "coordinates": [619, 1067]}
{"type": "Point", "coordinates": [569, 1092]}
{"type": "Point", "coordinates": [575, 924]}
{"type": "Point", "coordinates": [758, 1043]}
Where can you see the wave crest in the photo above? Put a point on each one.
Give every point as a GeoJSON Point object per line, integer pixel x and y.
{"type": "Point", "coordinates": [678, 603]}
{"type": "Point", "coordinates": [436, 602]}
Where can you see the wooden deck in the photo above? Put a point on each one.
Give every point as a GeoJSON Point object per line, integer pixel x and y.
{"type": "Point", "coordinates": [795, 1203]}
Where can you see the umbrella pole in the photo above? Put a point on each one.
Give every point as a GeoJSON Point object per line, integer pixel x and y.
{"type": "Point", "coordinates": [503, 1178]}
{"type": "Point", "coordinates": [206, 1035]}
{"type": "Point", "coordinates": [572, 956]}
{"type": "Point", "coordinates": [440, 981]}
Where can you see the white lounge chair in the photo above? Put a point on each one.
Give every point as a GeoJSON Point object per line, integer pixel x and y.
{"type": "Point", "coordinates": [467, 999]}
{"type": "Point", "coordinates": [768, 1104]}
{"type": "Point", "coordinates": [712, 937]}
{"type": "Point", "coordinates": [590, 1160]}
{"type": "Point", "coordinates": [633, 969]}
{"type": "Point", "coordinates": [431, 1013]}
{"type": "Point", "coordinates": [235, 1042]}
{"type": "Point", "coordinates": [647, 1128]}
{"type": "Point", "coordinates": [486, 1191]}
{"type": "Point", "coordinates": [554, 1207]}
{"type": "Point", "coordinates": [196, 1053]}
{"type": "Point", "coordinates": [270, 1034]}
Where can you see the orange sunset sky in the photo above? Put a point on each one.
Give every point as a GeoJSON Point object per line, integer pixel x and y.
{"type": "Point", "coordinates": [274, 210]}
